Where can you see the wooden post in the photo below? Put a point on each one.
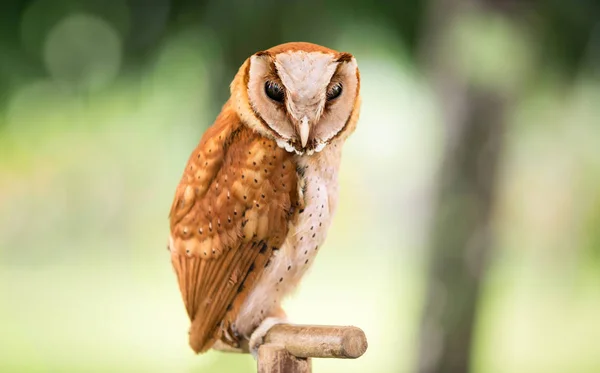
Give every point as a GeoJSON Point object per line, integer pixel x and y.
{"type": "Point", "coordinates": [289, 348]}
{"type": "Point", "coordinates": [274, 358]}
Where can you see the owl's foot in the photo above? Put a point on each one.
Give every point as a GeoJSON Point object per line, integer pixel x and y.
{"type": "Point", "coordinates": [257, 337]}
{"type": "Point", "coordinates": [230, 335]}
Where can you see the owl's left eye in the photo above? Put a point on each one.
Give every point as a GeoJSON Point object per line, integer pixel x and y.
{"type": "Point", "coordinates": [274, 91]}
{"type": "Point", "coordinates": [334, 92]}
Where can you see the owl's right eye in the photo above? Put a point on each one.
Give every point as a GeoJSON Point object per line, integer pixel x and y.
{"type": "Point", "coordinates": [274, 91]}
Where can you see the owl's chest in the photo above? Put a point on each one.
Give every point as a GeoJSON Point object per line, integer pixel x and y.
{"type": "Point", "coordinates": [318, 183]}
{"type": "Point", "coordinates": [319, 192]}
{"type": "Point", "coordinates": [307, 230]}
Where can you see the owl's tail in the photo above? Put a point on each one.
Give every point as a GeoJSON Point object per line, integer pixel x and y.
{"type": "Point", "coordinates": [200, 340]}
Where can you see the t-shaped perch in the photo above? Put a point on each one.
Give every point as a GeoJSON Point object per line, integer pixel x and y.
{"type": "Point", "coordinates": [288, 348]}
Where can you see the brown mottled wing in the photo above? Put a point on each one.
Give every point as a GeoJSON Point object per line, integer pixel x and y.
{"type": "Point", "coordinates": [231, 209]}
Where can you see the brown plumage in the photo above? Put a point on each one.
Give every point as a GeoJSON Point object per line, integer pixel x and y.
{"type": "Point", "coordinates": [240, 237]}
{"type": "Point", "coordinates": [230, 211]}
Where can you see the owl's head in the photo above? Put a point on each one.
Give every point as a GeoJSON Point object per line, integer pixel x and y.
{"type": "Point", "coordinates": [302, 95]}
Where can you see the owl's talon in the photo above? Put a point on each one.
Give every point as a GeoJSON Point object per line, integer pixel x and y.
{"type": "Point", "coordinates": [230, 335]}
{"type": "Point", "coordinates": [257, 337]}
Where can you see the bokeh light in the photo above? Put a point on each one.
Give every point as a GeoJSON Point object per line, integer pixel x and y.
{"type": "Point", "coordinates": [84, 52]}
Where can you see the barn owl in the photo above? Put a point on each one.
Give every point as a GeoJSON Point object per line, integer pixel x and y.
{"type": "Point", "coordinates": [258, 193]}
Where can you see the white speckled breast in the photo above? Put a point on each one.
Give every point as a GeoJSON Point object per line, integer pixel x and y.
{"type": "Point", "coordinates": [305, 236]}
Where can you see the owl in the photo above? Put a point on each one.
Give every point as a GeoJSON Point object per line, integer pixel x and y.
{"type": "Point", "coordinates": [258, 193]}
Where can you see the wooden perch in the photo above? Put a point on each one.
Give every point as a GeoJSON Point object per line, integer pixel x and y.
{"type": "Point", "coordinates": [288, 348]}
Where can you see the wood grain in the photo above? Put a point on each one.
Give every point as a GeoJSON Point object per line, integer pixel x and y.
{"type": "Point", "coordinates": [274, 358]}
{"type": "Point", "coordinates": [319, 341]}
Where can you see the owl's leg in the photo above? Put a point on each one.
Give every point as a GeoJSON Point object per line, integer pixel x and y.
{"type": "Point", "coordinates": [277, 316]}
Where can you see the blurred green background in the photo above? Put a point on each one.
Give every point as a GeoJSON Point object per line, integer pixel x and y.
{"type": "Point", "coordinates": [102, 102]}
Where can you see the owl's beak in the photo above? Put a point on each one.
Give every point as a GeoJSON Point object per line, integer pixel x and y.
{"type": "Point", "coordinates": [304, 131]}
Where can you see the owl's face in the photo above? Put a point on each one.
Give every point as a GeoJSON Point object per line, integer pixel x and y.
{"type": "Point", "coordinates": [302, 95]}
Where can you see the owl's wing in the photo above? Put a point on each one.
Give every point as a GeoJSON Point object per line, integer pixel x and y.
{"type": "Point", "coordinates": [231, 209]}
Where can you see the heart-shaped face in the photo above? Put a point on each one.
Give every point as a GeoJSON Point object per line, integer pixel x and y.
{"type": "Point", "coordinates": [302, 95]}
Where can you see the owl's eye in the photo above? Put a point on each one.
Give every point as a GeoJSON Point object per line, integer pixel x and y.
{"type": "Point", "coordinates": [274, 91]}
{"type": "Point", "coordinates": [334, 92]}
